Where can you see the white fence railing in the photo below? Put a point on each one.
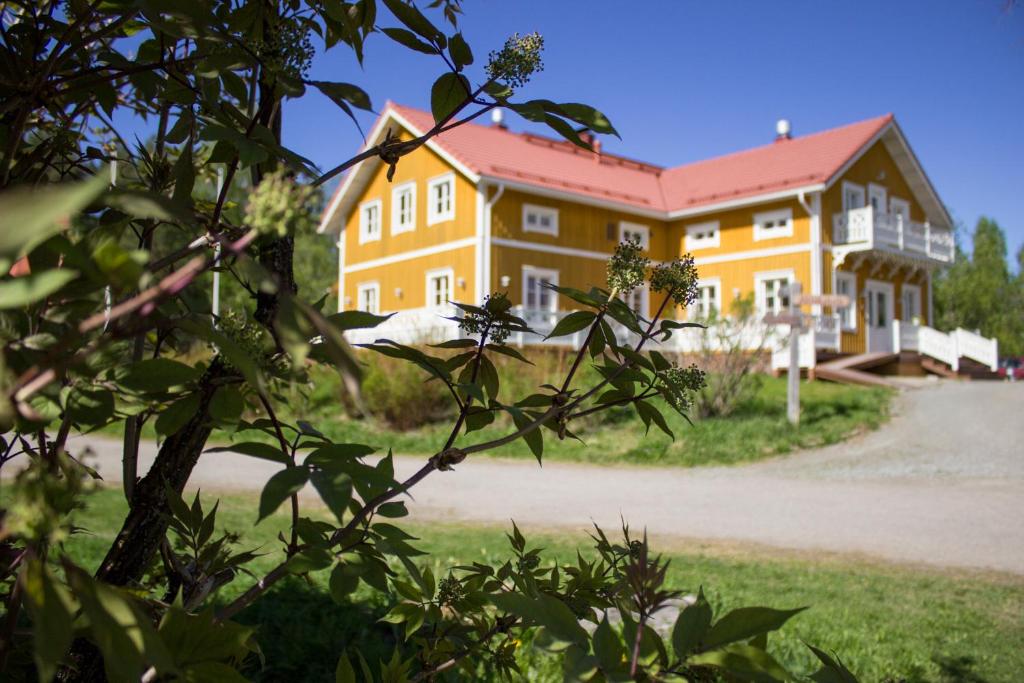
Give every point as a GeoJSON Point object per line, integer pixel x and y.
{"type": "Point", "coordinates": [946, 347]}
{"type": "Point", "coordinates": [870, 228]}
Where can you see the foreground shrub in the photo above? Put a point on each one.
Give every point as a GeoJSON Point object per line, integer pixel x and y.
{"type": "Point", "coordinates": [398, 394]}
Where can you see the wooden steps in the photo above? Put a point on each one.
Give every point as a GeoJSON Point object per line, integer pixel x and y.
{"type": "Point", "coordinates": [850, 369]}
{"type": "Point", "coordinates": [937, 367]}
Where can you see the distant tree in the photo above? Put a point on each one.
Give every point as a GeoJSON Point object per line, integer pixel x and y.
{"type": "Point", "coordinates": [979, 292]}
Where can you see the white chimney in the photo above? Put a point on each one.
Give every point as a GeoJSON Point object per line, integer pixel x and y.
{"type": "Point", "coordinates": [783, 131]}
{"type": "Point", "coordinates": [498, 117]}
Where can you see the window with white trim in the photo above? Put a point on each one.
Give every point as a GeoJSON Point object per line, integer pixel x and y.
{"type": "Point", "coordinates": [771, 291]}
{"type": "Point", "coordinates": [910, 304]}
{"type": "Point", "coordinates": [635, 232]}
{"type": "Point", "coordinates": [637, 299]}
{"type": "Point", "coordinates": [403, 208]}
{"type": "Point", "coordinates": [369, 221]}
{"type": "Point", "coordinates": [542, 219]}
{"type": "Point", "coordinates": [877, 197]}
{"type": "Point", "coordinates": [537, 296]}
{"type": "Point", "coordinates": [846, 285]}
{"type": "Point", "coordinates": [771, 224]}
{"type": "Point", "coordinates": [439, 287]}
{"type": "Point", "coordinates": [708, 302]}
{"type": "Point", "coordinates": [368, 297]}
{"type": "Point", "coordinates": [702, 235]}
{"type": "Point", "coordinates": [441, 199]}
{"type": "Point", "coordinates": [900, 207]}
{"type": "Point", "coordinates": [853, 196]}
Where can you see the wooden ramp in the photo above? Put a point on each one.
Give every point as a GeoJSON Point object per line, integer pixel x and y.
{"type": "Point", "coordinates": [850, 369]}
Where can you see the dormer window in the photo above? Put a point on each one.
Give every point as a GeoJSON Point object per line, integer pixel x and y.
{"type": "Point", "coordinates": [635, 232]}
{"type": "Point", "coordinates": [702, 235]}
{"type": "Point", "coordinates": [542, 219]}
{"type": "Point", "coordinates": [403, 208]}
{"type": "Point", "coordinates": [441, 199]}
{"type": "Point", "coordinates": [772, 224]}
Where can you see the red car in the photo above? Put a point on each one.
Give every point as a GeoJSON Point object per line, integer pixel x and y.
{"type": "Point", "coordinates": [1011, 368]}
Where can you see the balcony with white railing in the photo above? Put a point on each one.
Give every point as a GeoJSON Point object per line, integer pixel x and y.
{"type": "Point", "coordinates": [865, 228]}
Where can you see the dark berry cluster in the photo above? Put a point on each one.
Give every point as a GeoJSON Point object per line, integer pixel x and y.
{"type": "Point", "coordinates": [678, 279]}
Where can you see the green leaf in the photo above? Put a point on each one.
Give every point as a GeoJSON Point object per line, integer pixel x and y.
{"type": "Point", "coordinates": [574, 322]}
{"type": "Point", "coordinates": [589, 117]}
{"type": "Point", "coordinates": [345, 92]}
{"type": "Point", "coordinates": [256, 449]}
{"type": "Point", "coordinates": [199, 640]}
{"type": "Point", "coordinates": [176, 415]}
{"type": "Point", "coordinates": [353, 320]}
{"type": "Point", "coordinates": [744, 661]}
{"type": "Point", "coordinates": [30, 217]}
{"type": "Point", "coordinates": [335, 489]}
{"type": "Point", "coordinates": [342, 583]}
{"type": "Point", "coordinates": [344, 673]}
{"type": "Point", "coordinates": [608, 647]}
{"type": "Point", "coordinates": [280, 487]}
{"type": "Point", "coordinates": [534, 438]}
{"type": "Point", "coordinates": [90, 407]}
{"type": "Point", "coordinates": [28, 289]}
{"type": "Point", "coordinates": [52, 610]}
{"type": "Point", "coordinates": [157, 374]}
{"type": "Point", "coordinates": [310, 560]}
{"type": "Point", "coordinates": [832, 670]}
{"type": "Point", "coordinates": [747, 622]}
{"type": "Point", "coordinates": [139, 203]}
{"type": "Point", "coordinates": [409, 39]}
{"type": "Point", "coordinates": [448, 92]}
{"type": "Point", "coordinates": [691, 626]}
{"type": "Point", "coordinates": [227, 404]}
{"type": "Point", "coordinates": [459, 51]}
{"type": "Point", "coordinates": [648, 413]}
{"type": "Point", "coordinates": [545, 610]}
{"type": "Point", "coordinates": [489, 377]}
{"type": "Point", "coordinates": [414, 19]}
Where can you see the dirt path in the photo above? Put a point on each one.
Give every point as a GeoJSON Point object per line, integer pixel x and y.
{"type": "Point", "coordinates": [941, 484]}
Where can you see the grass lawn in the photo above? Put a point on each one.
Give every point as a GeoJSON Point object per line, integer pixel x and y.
{"type": "Point", "coordinates": [758, 429]}
{"type": "Point", "coordinates": [887, 623]}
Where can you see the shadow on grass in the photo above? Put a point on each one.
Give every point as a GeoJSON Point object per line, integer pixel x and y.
{"type": "Point", "coordinates": [302, 632]}
{"type": "Point", "coordinates": [951, 669]}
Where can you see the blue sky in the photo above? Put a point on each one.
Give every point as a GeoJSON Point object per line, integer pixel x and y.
{"type": "Point", "coordinates": [683, 81]}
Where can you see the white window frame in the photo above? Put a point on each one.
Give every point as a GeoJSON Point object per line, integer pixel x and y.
{"type": "Point", "coordinates": [848, 314]}
{"type": "Point", "coordinates": [694, 311]}
{"type": "Point", "coordinates": [899, 207]}
{"type": "Point", "coordinates": [858, 190]}
{"type": "Point", "coordinates": [693, 242]}
{"type": "Point", "coordinates": [644, 292]}
{"type": "Point", "coordinates": [548, 273]}
{"type": "Point", "coordinates": [881, 193]}
{"type": "Point", "coordinates": [763, 233]}
{"type": "Point", "coordinates": [367, 287]}
{"type": "Point", "coordinates": [541, 211]}
{"type": "Point", "coordinates": [761, 294]}
{"type": "Point", "coordinates": [364, 228]}
{"type": "Point", "coordinates": [916, 291]}
{"type": "Point", "coordinates": [641, 230]}
{"type": "Point", "coordinates": [397, 227]}
{"type": "Point", "coordinates": [433, 215]}
{"type": "Point", "coordinates": [436, 273]}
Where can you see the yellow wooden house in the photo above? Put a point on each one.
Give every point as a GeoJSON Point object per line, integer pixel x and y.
{"type": "Point", "coordinates": [481, 208]}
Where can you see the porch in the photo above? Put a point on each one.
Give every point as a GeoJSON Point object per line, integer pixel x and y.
{"type": "Point", "coordinates": [867, 229]}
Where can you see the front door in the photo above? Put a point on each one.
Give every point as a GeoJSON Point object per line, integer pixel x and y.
{"type": "Point", "coordinates": [878, 312]}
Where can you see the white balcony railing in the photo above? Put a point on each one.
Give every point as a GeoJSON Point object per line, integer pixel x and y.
{"type": "Point", "coordinates": [871, 229]}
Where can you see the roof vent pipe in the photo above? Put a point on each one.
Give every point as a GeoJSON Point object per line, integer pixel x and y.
{"type": "Point", "coordinates": [498, 118]}
{"type": "Point", "coordinates": [783, 131]}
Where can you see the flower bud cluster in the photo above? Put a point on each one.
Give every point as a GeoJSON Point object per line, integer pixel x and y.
{"type": "Point", "coordinates": [450, 590]}
{"type": "Point", "coordinates": [279, 206]}
{"type": "Point", "coordinates": [493, 317]}
{"type": "Point", "coordinates": [287, 48]}
{"type": "Point", "coordinates": [517, 60]}
{"type": "Point", "coordinates": [678, 385]}
{"type": "Point", "coordinates": [678, 279]}
{"type": "Point", "coordinates": [627, 266]}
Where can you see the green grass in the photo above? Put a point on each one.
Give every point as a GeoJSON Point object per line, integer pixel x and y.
{"type": "Point", "coordinates": [886, 622]}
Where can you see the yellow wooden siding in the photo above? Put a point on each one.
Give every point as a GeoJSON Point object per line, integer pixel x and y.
{"type": "Point", "coordinates": [573, 271]}
{"type": "Point", "coordinates": [580, 226]}
{"type": "Point", "coordinates": [856, 341]}
{"type": "Point", "coordinates": [411, 277]}
{"type": "Point", "coordinates": [736, 230]}
{"type": "Point", "coordinates": [737, 278]}
{"type": "Point", "coordinates": [421, 167]}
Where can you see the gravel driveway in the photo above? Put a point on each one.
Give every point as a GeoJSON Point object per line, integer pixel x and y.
{"type": "Point", "coordinates": [941, 484]}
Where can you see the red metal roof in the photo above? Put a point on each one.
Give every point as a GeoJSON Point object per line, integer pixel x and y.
{"type": "Point", "coordinates": [543, 162]}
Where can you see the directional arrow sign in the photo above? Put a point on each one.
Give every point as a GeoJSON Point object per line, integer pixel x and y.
{"type": "Point", "coordinates": [785, 319]}
{"type": "Point", "coordinates": [831, 300]}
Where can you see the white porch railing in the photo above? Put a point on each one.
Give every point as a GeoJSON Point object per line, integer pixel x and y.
{"type": "Point", "coordinates": [870, 228]}
{"type": "Point", "coordinates": [413, 326]}
{"type": "Point", "coordinates": [946, 347]}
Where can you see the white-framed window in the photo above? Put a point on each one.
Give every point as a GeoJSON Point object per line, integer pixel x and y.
{"type": "Point", "coordinates": [542, 219]}
{"type": "Point", "coordinates": [441, 199]}
{"type": "Point", "coordinates": [709, 299]}
{"type": "Point", "coordinates": [769, 291]}
{"type": "Point", "coordinates": [910, 304]}
{"type": "Point", "coordinates": [439, 287]}
{"type": "Point", "coordinates": [403, 208]}
{"type": "Point", "coordinates": [771, 224]}
{"type": "Point", "coordinates": [369, 221]}
{"type": "Point", "coordinates": [846, 285]}
{"type": "Point", "coordinates": [637, 299]}
{"type": "Point", "coordinates": [368, 297]}
{"type": "Point", "coordinates": [878, 197]}
{"type": "Point", "coordinates": [853, 196]}
{"type": "Point", "coordinates": [635, 232]}
{"type": "Point", "coordinates": [702, 235]}
{"type": "Point", "coordinates": [536, 295]}
{"type": "Point", "coordinates": [900, 207]}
